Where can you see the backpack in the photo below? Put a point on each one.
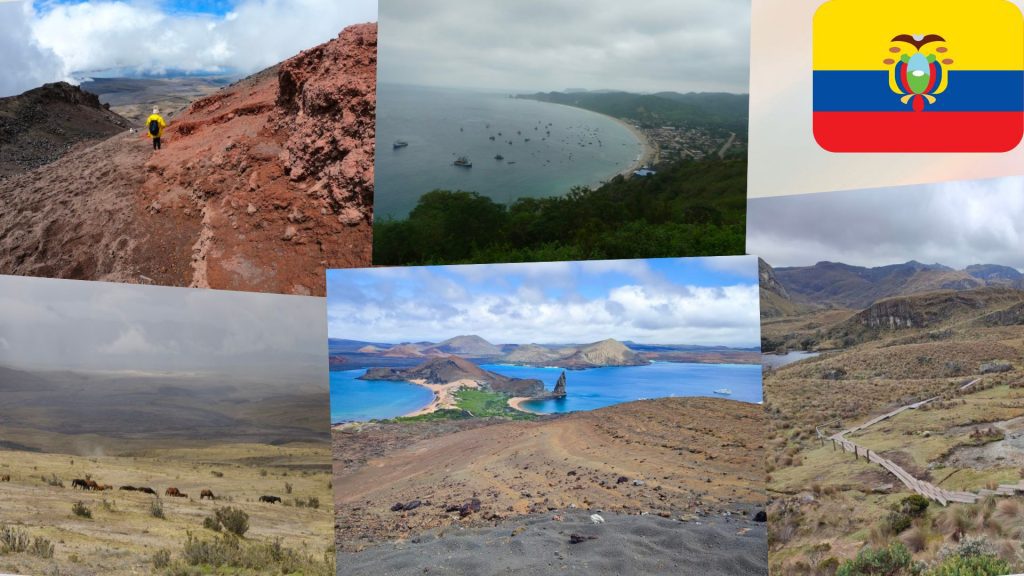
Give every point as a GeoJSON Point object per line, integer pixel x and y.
{"type": "Point", "coordinates": [154, 128]}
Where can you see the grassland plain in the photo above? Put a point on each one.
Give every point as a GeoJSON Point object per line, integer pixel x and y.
{"type": "Point", "coordinates": [123, 536]}
{"type": "Point", "coordinates": [181, 433]}
{"type": "Point", "coordinates": [831, 511]}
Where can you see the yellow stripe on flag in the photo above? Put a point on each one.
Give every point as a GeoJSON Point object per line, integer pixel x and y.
{"type": "Point", "coordinates": [979, 34]}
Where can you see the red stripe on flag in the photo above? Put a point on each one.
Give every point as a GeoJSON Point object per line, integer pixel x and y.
{"type": "Point", "coordinates": [918, 131]}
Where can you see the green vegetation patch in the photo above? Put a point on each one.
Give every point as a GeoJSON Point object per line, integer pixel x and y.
{"type": "Point", "coordinates": [686, 209]}
{"type": "Point", "coordinates": [474, 403]}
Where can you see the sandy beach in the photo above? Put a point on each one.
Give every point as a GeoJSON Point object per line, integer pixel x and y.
{"type": "Point", "coordinates": [443, 395]}
{"type": "Point", "coordinates": [650, 153]}
{"type": "Point", "coordinates": [516, 403]}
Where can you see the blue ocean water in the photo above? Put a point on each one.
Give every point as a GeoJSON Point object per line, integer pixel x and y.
{"type": "Point", "coordinates": [353, 399]}
{"type": "Point", "coordinates": [361, 400]}
{"type": "Point", "coordinates": [600, 387]}
{"type": "Point", "coordinates": [567, 146]}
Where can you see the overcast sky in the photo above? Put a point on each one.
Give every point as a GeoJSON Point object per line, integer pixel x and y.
{"type": "Point", "coordinates": [550, 45]}
{"type": "Point", "coordinates": [953, 223]}
{"type": "Point", "coordinates": [65, 324]}
{"type": "Point", "coordinates": [49, 40]}
{"type": "Point", "coordinates": [704, 301]}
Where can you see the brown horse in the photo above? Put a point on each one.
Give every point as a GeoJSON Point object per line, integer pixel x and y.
{"type": "Point", "coordinates": [146, 490]}
{"type": "Point", "coordinates": [5, 478]}
{"type": "Point", "coordinates": [128, 488]}
{"type": "Point", "coordinates": [206, 493]}
{"type": "Point", "coordinates": [172, 492]}
{"type": "Point", "coordinates": [92, 485]}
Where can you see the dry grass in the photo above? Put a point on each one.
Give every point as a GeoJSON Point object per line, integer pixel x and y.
{"type": "Point", "coordinates": [124, 532]}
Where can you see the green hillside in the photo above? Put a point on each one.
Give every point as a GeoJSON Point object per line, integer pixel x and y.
{"type": "Point", "coordinates": [686, 209]}
{"type": "Point", "coordinates": [712, 110]}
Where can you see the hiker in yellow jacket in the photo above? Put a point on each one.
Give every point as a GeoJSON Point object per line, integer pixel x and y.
{"type": "Point", "coordinates": [155, 126]}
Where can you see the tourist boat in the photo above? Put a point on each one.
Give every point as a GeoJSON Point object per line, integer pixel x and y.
{"type": "Point", "coordinates": [723, 392]}
{"type": "Point", "coordinates": [463, 161]}
{"type": "Point", "coordinates": [499, 157]}
{"type": "Point", "coordinates": [399, 144]}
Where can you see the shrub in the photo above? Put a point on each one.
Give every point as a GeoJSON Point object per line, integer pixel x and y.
{"type": "Point", "coordinates": [217, 474]}
{"type": "Point", "coordinates": [914, 505]}
{"type": "Point", "coordinates": [230, 519]}
{"type": "Point", "coordinates": [211, 523]}
{"type": "Point", "coordinates": [54, 480]}
{"type": "Point", "coordinates": [896, 522]}
{"type": "Point", "coordinates": [971, 566]}
{"type": "Point", "coordinates": [80, 509]}
{"type": "Point", "coordinates": [161, 559]}
{"type": "Point", "coordinates": [972, 557]}
{"type": "Point", "coordinates": [15, 541]}
{"type": "Point", "coordinates": [892, 561]}
{"type": "Point", "coordinates": [287, 488]}
{"type": "Point", "coordinates": [156, 509]}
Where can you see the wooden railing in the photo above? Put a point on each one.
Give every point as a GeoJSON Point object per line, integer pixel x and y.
{"type": "Point", "coordinates": [924, 488]}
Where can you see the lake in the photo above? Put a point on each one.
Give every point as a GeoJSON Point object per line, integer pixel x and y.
{"type": "Point", "coordinates": [780, 360]}
{"type": "Point", "coordinates": [353, 399]}
{"type": "Point", "coordinates": [567, 146]}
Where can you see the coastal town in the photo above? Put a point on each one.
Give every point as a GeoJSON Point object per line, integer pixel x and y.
{"type": "Point", "coordinates": [669, 144]}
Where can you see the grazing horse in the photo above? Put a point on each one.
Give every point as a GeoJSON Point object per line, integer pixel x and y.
{"type": "Point", "coordinates": [269, 499]}
{"type": "Point", "coordinates": [5, 478]}
{"type": "Point", "coordinates": [79, 483]}
{"type": "Point", "coordinates": [147, 490]}
{"type": "Point", "coordinates": [206, 493]}
{"type": "Point", "coordinates": [172, 492]}
{"type": "Point", "coordinates": [92, 485]}
{"type": "Point", "coordinates": [128, 488]}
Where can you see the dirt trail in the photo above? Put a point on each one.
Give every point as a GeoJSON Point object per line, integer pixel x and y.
{"type": "Point", "coordinates": [259, 187]}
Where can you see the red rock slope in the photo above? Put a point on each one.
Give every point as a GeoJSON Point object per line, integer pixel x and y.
{"type": "Point", "coordinates": [258, 187]}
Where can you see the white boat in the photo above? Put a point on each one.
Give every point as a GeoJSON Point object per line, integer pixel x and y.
{"type": "Point", "coordinates": [723, 392]}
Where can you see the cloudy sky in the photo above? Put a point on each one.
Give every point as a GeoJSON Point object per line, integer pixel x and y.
{"type": "Point", "coordinates": [703, 301]}
{"type": "Point", "coordinates": [65, 324]}
{"type": "Point", "coordinates": [681, 45]}
{"type": "Point", "coordinates": [49, 40]}
{"type": "Point", "coordinates": [953, 223]}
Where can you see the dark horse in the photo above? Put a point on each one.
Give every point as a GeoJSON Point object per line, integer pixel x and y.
{"type": "Point", "coordinates": [206, 493]}
{"type": "Point", "coordinates": [269, 499]}
{"type": "Point", "coordinates": [79, 483]}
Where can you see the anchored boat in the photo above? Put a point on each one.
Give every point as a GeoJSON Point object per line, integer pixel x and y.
{"type": "Point", "coordinates": [463, 161]}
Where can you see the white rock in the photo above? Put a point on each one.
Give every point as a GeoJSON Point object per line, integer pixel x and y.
{"type": "Point", "coordinates": [596, 519]}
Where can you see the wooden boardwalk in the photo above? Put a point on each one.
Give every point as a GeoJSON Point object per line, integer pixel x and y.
{"type": "Point", "coordinates": [926, 489]}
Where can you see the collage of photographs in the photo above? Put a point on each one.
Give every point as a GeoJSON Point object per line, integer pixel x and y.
{"type": "Point", "coordinates": [494, 288]}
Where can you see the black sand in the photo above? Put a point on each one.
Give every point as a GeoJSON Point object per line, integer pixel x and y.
{"type": "Point", "coordinates": [624, 545]}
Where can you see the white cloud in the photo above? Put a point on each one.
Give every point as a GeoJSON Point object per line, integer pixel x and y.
{"type": "Point", "coordinates": [698, 45]}
{"type": "Point", "coordinates": [139, 36]}
{"type": "Point", "coordinates": [655, 312]}
{"type": "Point", "coordinates": [26, 64]}
{"type": "Point", "coordinates": [952, 223]}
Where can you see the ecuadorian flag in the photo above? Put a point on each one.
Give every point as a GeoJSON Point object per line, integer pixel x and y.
{"type": "Point", "coordinates": [918, 76]}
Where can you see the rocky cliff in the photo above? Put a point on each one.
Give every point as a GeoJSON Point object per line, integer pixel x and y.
{"type": "Point", "coordinates": [43, 124]}
{"type": "Point", "coordinates": [260, 187]}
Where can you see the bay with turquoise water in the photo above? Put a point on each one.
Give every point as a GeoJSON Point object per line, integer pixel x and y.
{"type": "Point", "coordinates": [599, 387]}
{"type": "Point", "coordinates": [567, 146]}
{"type": "Point", "coordinates": [353, 399]}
